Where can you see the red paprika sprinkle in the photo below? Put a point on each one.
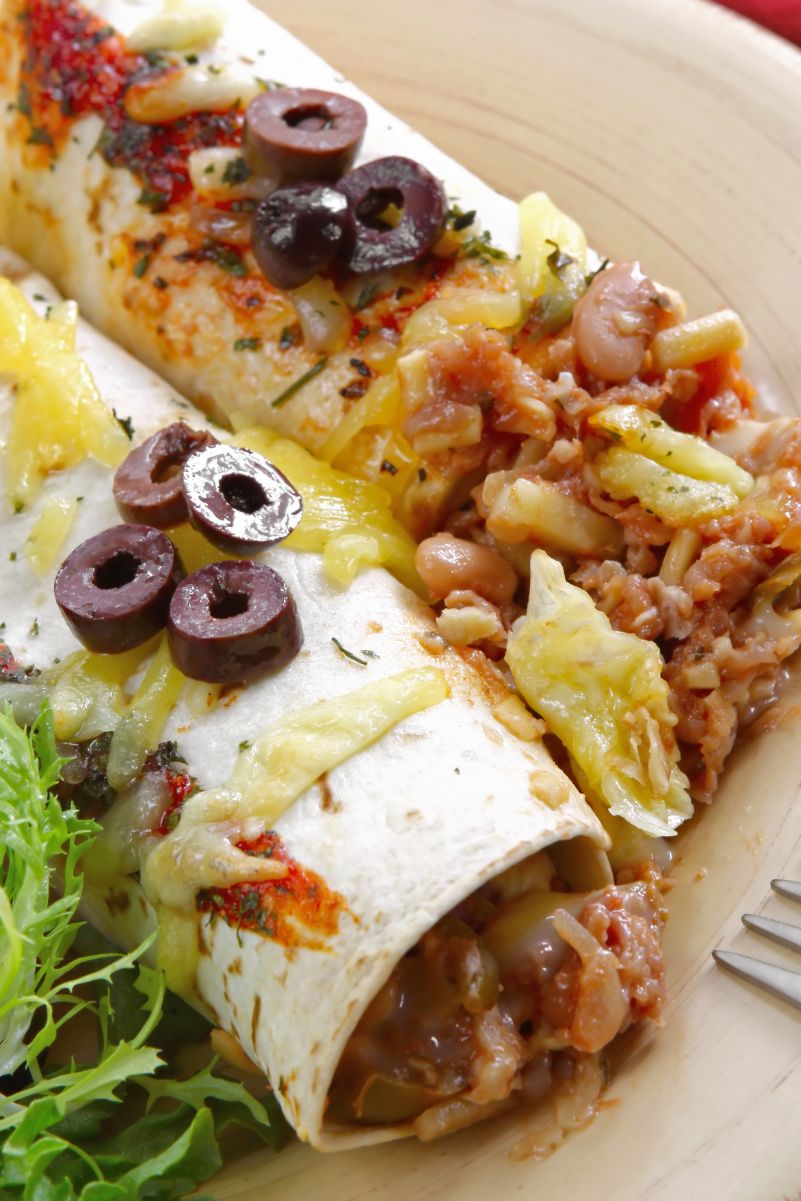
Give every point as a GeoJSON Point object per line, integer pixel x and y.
{"type": "Point", "coordinates": [297, 910]}
{"type": "Point", "coordinates": [180, 785]}
{"type": "Point", "coordinates": [76, 66]}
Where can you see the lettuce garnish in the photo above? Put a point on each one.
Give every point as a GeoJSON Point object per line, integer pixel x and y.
{"type": "Point", "coordinates": [116, 1126]}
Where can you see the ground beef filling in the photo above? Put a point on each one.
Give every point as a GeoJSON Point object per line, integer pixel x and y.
{"type": "Point", "coordinates": [494, 1005]}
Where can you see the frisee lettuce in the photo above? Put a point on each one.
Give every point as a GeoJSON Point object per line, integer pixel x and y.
{"type": "Point", "coordinates": [64, 1136]}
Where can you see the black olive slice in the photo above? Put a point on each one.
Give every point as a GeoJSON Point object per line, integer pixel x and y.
{"type": "Point", "coordinates": [147, 486]}
{"type": "Point", "coordinates": [302, 133]}
{"type": "Point", "coordinates": [377, 244]}
{"type": "Point", "coordinates": [238, 500]}
{"type": "Point", "coordinates": [297, 230]}
{"type": "Point", "coordinates": [233, 621]}
{"type": "Point", "coordinates": [114, 589]}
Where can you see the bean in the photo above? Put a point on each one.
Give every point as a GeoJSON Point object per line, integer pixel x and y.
{"type": "Point", "coordinates": [614, 321]}
{"type": "Point", "coordinates": [447, 564]}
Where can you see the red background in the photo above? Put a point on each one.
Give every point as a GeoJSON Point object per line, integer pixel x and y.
{"type": "Point", "coordinates": [782, 16]}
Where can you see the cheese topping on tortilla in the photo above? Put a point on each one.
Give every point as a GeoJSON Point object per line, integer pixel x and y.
{"type": "Point", "coordinates": [202, 852]}
{"type": "Point", "coordinates": [181, 25]}
{"type": "Point", "coordinates": [58, 418]}
{"type": "Point", "coordinates": [272, 773]}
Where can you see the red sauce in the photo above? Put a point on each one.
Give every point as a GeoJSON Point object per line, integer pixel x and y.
{"type": "Point", "coordinates": [10, 668]}
{"type": "Point", "coordinates": [299, 910]}
{"type": "Point", "coordinates": [77, 65]}
{"type": "Point", "coordinates": [81, 65]}
{"type": "Point", "coordinates": [180, 786]}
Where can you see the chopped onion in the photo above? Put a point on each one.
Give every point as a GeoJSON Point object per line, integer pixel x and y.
{"type": "Point", "coordinates": [25, 700]}
{"type": "Point", "coordinates": [84, 706]}
{"type": "Point", "coordinates": [127, 828]}
{"type": "Point", "coordinates": [163, 98]}
{"type": "Point", "coordinates": [212, 169]}
{"type": "Point", "coordinates": [324, 317]}
{"type": "Point", "coordinates": [380, 349]}
{"type": "Point", "coordinates": [601, 1004]}
{"type": "Point", "coordinates": [179, 26]}
{"type": "Point", "coordinates": [221, 225]}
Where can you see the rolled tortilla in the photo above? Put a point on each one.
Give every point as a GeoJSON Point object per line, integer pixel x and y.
{"type": "Point", "coordinates": [398, 833]}
{"type": "Point", "coordinates": [82, 223]}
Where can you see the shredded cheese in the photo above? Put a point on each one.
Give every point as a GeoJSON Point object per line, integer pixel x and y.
{"type": "Point", "coordinates": [179, 26]}
{"type": "Point", "coordinates": [269, 776]}
{"type": "Point", "coordinates": [48, 533]}
{"type": "Point", "coordinates": [58, 418]}
{"type": "Point", "coordinates": [294, 752]}
{"type": "Point", "coordinates": [140, 729]}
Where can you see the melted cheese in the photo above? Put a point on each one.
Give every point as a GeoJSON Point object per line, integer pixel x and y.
{"type": "Point", "coordinates": [294, 752]}
{"type": "Point", "coordinates": [179, 26]}
{"type": "Point", "coordinates": [58, 418]}
{"type": "Point", "coordinates": [267, 777]}
{"type": "Point", "coordinates": [47, 536]}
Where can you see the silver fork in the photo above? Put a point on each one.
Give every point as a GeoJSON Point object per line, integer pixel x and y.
{"type": "Point", "coordinates": [780, 981]}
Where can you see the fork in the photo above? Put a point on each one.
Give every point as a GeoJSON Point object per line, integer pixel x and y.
{"type": "Point", "coordinates": [780, 981]}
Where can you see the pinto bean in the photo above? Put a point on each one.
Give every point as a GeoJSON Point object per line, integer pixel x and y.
{"type": "Point", "coordinates": [447, 564]}
{"type": "Point", "coordinates": [614, 321]}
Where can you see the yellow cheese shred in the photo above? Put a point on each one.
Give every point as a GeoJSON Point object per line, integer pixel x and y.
{"type": "Point", "coordinates": [49, 531]}
{"type": "Point", "coordinates": [267, 777]}
{"type": "Point", "coordinates": [336, 506]}
{"type": "Point", "coordinates": [58, 418]}
{"type": "Point", "coordinates": [140, 729]}
{"type": "Point", "coordinates": [295, 751]}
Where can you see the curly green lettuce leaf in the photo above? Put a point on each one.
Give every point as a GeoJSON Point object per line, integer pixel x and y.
{"type": "Point", "coordinates": [36, 927]}
{"type": "Point", "coordinates": [116, 1128]}
{"type": "Point", "coordinates": [602, 693]}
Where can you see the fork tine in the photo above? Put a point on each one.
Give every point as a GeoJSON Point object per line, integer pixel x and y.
{"type": "Point", "coordinates": [782, 932]}
{"type": "Point", "coordinates": [787, 888]}
{"type": "Point", "coordinates": [777, 980]}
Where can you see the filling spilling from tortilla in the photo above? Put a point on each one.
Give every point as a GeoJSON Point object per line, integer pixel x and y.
{"type": "Point", "coordinates": [505, 1001]}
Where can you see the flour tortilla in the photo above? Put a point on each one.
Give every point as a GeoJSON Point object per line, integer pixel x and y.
{"type": "Point", "coordinates": [403, 830]}
{"type": "Point", "coordinates": [71, 221]}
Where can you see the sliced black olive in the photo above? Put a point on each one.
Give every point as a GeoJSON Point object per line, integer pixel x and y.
{"type": "Point", "coordinates": [302, 133]}
{"type": "Point", "coordinates": [378, 244]}
{"type": "Point", "coordinates": [147, 486]}
{"type": "Point", "coordinates": [114, 589]}
{"type": "Point", "coordinates": [232, 621]}
{"type": "Point", "coordinates": [238, 500]}
{"type": "Point", "coordinates": [297, 230]}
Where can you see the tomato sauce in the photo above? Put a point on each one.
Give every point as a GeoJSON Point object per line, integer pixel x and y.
{"type": "Point", "coordinates": [76, 66]}
{"type": "Point", "coordinates": [10, 668]}
{"type": "Point", "coordinates": [297, 910]}
{"type": "Point", "coordinates": [180, 786]}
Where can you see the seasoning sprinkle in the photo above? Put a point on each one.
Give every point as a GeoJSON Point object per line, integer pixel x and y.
{"type": "Point", "coordinates": [365, 297]}
{"type": "Point", "coordinates": [236, 172]}
{"type": "Point", "coordinates": [297, 384]}
{"type": "Point", "coordinates": [226, 259]}
{"type": "Point", "coordinates": [348, 654]}
{"type": "Point", "coordinates": [126, 423]}
{"type": "Point", "coordinates": [290, 336]}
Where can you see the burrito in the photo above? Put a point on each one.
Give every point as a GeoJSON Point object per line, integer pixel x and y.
{"type": "Point", "coordinates": [157, 241]}
{"type": "Point", "coordinates": [362, 862]}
